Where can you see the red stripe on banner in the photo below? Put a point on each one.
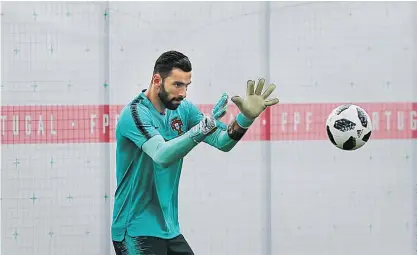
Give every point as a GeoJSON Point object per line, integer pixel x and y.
{"type": "Point", "coordinates": [96, 123]}
{"type": "Point", "coordinates": [412, 119]}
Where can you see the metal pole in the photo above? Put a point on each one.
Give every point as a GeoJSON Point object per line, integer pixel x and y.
{"type": "Point", "coordinates": [266, 125]}
{"type": "Point", "coordinates": [107, 249]}
{"type": "Point", "coordinates": [414, 144]}
{"type": "Point", "coordinates": [1, 154]}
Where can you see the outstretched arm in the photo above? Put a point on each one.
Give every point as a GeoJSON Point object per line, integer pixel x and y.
{"type": "Point", "coordinates": [138, 128]}
{"type": "Point", "coordinates": [226, 137]}
{"type": "Point", "coordinates": [165, 153]}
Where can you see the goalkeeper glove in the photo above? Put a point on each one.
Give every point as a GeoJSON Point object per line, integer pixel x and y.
{"type": "Point", "coordinates": [255, 103]}
{"type": "Point", "coordinates": [209, 122]}
{"type": "Point", "coordinates": [219, 110]}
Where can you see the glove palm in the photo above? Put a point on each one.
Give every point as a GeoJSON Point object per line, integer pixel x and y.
{"type": "Point", "coordinates": [256, 101]}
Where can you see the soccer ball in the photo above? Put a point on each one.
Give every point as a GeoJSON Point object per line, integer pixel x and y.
{"type": "Point", "coordinates": [349, 127]}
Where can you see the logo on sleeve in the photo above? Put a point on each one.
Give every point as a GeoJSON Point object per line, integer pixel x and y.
{"type": "Point", "coordinates": [176, 125]}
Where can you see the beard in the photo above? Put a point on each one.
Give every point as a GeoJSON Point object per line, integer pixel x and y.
{"type": "Point", "coordinates": [172, 103]}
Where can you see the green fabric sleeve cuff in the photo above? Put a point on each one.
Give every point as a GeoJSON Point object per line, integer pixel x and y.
{"type": "Point", "coordinates": [243, 121]}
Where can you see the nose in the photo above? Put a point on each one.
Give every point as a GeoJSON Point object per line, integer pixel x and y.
{"type": "Point", "coordinates": [182, 92]}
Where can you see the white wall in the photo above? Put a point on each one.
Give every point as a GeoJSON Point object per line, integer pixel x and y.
{"type": "Point", "coordinates": [323, 200]}
{"type": "Point", "coordinates": [329, 201]}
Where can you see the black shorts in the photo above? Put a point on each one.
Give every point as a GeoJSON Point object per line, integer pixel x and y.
{"type": "Point", "coordinates": [147, 245]}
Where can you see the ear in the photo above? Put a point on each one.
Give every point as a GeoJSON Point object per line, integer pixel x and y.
{"type": "Point", "coordinates": [156, 80]}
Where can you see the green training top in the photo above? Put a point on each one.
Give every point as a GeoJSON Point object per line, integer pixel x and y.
{"type": "Point", "coordinates": [150, 147]}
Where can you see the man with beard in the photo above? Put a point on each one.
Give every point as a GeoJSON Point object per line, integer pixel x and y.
{"type": "Point", "coordinates": [154, 132]}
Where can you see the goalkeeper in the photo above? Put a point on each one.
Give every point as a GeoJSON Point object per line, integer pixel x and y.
{"type": "Point", "coordinates": [154, 133]}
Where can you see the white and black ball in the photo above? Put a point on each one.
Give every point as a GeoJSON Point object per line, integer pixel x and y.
{"type": "Point", "coordinates": [349, 127]}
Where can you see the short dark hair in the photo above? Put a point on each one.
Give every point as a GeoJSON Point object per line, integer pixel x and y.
{"type": "Point", "coordinates": [170, 60]}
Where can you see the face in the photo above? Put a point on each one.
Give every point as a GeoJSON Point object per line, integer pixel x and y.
{"type": "Point", "coordinates": [173, 89]}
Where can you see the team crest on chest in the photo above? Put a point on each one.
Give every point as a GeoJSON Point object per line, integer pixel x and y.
{"type": "Point", "coordinates": [176, 125]}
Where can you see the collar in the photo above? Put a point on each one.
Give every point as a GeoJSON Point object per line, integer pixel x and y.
{"type": "Point", "coordinates": [148, 103]}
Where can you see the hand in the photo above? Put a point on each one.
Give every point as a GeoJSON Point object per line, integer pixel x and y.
{"type": "Point", "coordinates": [255, 103]}
{"type": "Point", "coordinates": [209, 122]}
{"type": "Point", "coordinates": [220, 109]}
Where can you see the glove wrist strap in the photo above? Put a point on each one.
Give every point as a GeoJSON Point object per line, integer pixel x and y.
{"type": "Point", "coordinates": [200, 131]}
{"type": "Point", "coordinates": [243, 122]}
{"type": "Point", "coordinates": [196, 134]}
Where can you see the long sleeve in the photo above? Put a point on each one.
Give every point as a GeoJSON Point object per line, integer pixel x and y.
{"type": "Point", "coordinates": [166, 153]}
{"type": "Point", "coordinates": [226, 136]}
{"type": "Point", "coordinates": [136, 125]}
